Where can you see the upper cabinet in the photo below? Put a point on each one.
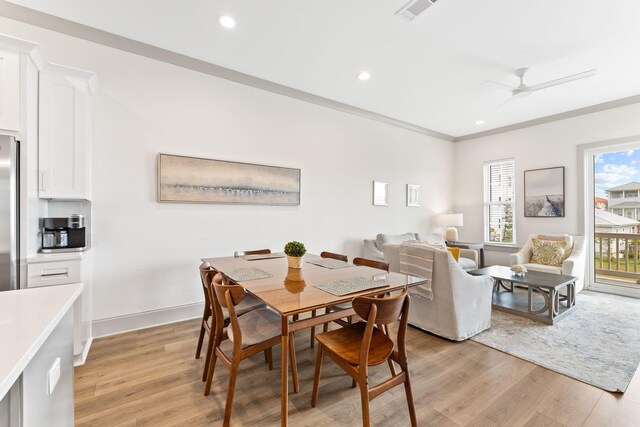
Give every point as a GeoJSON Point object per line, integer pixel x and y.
{"type": "Point", "coordinates": [9, 91]}
{"type": "Point", "coordinates": [64, 147]}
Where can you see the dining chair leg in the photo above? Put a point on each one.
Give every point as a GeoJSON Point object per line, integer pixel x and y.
{"type": "Point", "coordinates": [409, 393]}
{"type": "Point", "coordinates": [364, 397]}
{"type": "Point", "coordinates": [233, 374]}
{"type": "Point", "coordinates": [313, 331]}
{"type": "Point", "coordinates": [392, 367]}
{"type": "Point", "coordinates": [316, 376]}
{"type": "Point", "coordinates": [211, 364]}
{"type": "Point", "coordinates": [294, 364]}
{"type": "Point", "coordinates": [325, 327]}
{"type": "Point", "coordinates": [210, 351]}
{"type": "Point", "coordinates": [200, 341]}
{"type": "Point", "coordinates": [268, 355]}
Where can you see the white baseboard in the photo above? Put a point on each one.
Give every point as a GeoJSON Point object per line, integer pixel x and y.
{"type": "Point", "coordinates": [146, 319]}
{"type": "Point", "coordinates": [79, 359]}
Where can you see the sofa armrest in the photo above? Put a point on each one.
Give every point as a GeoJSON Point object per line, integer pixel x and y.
{"type": "Point", "coordinates": [371, 251]}
{"type": "Point", "coordinates": [391, 253]}
{"type": "Point", "coordinates": [521, 257]}
{"type": "Point", "coordinates": [470, 254]}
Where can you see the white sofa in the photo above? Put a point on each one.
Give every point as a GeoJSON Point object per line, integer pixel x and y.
{"type": "Point", "coordinates": [373, 249]}
{"type": "Point", "coordinates": [574, 265]}
{"type": "Point", "coordinates": [461, 304]}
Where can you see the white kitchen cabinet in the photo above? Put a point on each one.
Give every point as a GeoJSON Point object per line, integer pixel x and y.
{"type": "Point", "coordinates": [9, 91]}
{"type": "Point", "coordinates": [63, 269]}
{"type": "Point", "coordinates": [64, 152]}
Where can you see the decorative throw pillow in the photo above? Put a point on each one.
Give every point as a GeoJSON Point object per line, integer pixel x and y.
{"type": "Point", "coordinates": [548, 252]}
{"type": "Point", "coordinates": [455, 252]}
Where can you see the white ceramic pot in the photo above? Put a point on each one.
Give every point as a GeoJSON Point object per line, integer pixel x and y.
{"type": "Point", "coordinates": [294, 261]}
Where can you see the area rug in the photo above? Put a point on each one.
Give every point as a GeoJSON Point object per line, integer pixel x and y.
{"type": "Point", "coordinates": [599, 343]}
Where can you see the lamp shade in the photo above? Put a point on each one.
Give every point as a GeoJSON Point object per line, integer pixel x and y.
{"type": "Point", "coordinates": [451, 220]}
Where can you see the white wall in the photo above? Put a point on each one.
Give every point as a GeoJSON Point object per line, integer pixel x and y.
{"type": "Point", "coordinates": [146, 254]}
{"type": "Point", "coordinates": [546, 145]}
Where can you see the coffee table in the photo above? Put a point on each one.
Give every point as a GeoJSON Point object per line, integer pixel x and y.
{"type": "Point", "coordinates": [546, 285]}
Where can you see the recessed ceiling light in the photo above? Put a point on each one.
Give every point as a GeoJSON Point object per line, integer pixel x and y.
{"type": "Point", "coordinates": [227, 21]}
{"type": "Point", "coordinates": [480, 122]}
{"type": "Point", "coordinates": [363, 75]}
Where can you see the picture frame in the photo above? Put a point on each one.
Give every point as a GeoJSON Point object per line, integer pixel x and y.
{"type": "Point", "coordinates": [380, 193]}
{"type": "Point", "coordinates": [413, 195]}
{"type": "Point", "coordinates": [544, 195]}
{"type": "Point", "coordinates": [184, 179]}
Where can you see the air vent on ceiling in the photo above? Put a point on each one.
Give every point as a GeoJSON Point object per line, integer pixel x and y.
{"type": "Point", "coordinates": [414, 8]}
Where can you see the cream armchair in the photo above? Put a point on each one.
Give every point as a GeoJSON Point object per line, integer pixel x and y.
{"type": "Point", "coordinates": [461, 304]}
{"type": "Point", "coordinates": [574, 265]}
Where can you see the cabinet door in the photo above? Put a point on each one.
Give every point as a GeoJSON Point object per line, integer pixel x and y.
{"type": "Point", "coordinates": [64, 138]}
{"type": "Point", "coordinates": [9, 91]}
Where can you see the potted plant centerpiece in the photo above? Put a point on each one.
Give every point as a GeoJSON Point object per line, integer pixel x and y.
{"type": "Point", "coordinates": [295, 251]}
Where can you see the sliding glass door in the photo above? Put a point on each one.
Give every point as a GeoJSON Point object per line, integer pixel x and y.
{"type": "Point", "coordinates": [614, 219]}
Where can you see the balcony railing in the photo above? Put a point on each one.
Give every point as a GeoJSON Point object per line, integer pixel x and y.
{"type": "Point", "coordinates": [617, 257]}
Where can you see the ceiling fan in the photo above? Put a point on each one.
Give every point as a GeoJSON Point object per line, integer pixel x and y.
{"type": "Point", "coordinates": [523, 90]}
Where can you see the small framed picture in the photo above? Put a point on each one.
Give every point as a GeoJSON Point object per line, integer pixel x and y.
{"type": "Point", "coordinates": [413, 195]}
{"type": "Point", "coordinates": [380, 193]}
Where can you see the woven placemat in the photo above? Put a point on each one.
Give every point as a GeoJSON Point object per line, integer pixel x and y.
{"type": "Point", "coordinates": [245, 274]}
{"type": "Point", "coordinates": [263, 256]}
{"type": "Point", "coordinates": [350, 286]}
{"type": "Point", "coordinates": [330, 263]}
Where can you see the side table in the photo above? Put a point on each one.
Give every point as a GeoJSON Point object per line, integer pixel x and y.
{"type": "Point", "coordinates": [466, 245]}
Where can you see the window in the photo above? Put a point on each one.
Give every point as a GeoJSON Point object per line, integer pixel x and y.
{"type": "Point", "coordinates": [499, 202]}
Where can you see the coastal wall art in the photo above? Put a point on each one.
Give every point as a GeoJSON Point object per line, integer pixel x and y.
{"type": "Point", "coordinates": [544, 192]}
{"type": "Point", "coordinates": [195, 180]}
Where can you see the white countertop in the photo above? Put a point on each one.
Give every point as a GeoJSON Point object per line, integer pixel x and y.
{"type": "Point", "coordinates": [56, 256]}
{"type": "Point", "coordinates": [27, 318]}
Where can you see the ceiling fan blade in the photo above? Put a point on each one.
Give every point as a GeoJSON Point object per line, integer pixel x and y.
{"type": "Point", "coordinates": [563, 80]}
{"type": "Point", "coordinates": [505, 102]}
{"type": "Point", "coordinates": [499, 85]}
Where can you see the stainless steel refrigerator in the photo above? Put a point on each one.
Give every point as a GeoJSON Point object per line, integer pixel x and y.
{"type": "Point", "coordinates": [9, 213]}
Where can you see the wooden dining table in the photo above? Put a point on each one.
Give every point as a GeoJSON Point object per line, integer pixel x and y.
{"type": "Point", "coordinates": [293, 292]}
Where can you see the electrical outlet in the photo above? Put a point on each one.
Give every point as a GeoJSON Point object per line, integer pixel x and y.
{"type": "Point", "coordinates": [53, 375]}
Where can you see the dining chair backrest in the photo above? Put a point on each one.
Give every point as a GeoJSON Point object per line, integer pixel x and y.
{"type": "Point", "coordinates": [332, 255]}
{"type": "Point", "coordinates": [383, 311]}
{"type": "Point", "coordinates": [380, 265]}
{"type": "Point", "coordinates": [223, 288]}
{"type": "Point", "coordinates": [206, 275]}
{"type": "Point", "coordinates": [388, 309]}
{"type": "Point", "coordinates": [238, 254]}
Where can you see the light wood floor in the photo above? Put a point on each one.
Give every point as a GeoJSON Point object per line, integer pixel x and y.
{"type": "Point", "coordinates": [151, 377]}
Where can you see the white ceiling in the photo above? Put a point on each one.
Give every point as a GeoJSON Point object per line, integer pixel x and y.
{"type": "Point", "coordinates": [429, 72]}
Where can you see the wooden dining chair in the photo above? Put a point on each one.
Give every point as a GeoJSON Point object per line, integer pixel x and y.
{"type": "Point", "coordinates": [253, 332]}
{"type": "Point", "coordinates": [358, 346]}
{"type": "Point", "coordinates": [238, 254]}
{"type": "Point", "coordinates": [380, 265]}
{"type": "Point", "coordinates": [207, 326]}
{"type": "Point", "coordinates": [332, 255]}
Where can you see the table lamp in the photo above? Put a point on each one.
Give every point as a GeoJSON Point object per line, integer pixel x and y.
{"type": "Point", "coordinates": [451, 221]}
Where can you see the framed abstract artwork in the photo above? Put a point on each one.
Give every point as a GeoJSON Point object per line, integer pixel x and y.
{"type": "Point", "coordinates": [413, 195]}
{"type": "Point", "coordinates": [184, 179]}
{"type": "Point", "coordinates": [544, 193]}
{"type": "Point", "coordinates": [380, 193]}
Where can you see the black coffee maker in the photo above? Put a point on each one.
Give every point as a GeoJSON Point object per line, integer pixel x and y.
{"type": "Point", "coordinates": [63, 234]}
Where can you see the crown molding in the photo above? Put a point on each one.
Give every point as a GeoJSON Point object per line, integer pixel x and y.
{"type": "Point", "coordinates": [554, 118]}
{"type": "Point", "coordinates": [64, 26]}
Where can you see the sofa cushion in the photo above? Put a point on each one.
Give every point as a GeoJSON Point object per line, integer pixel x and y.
{"type": "Point", "coordinates": [548, 252]}
{"type": "Point", "coordinates": [467, 264]}
{"type": "Point", "coordinates": [434, 239]}
{"type": "Point", "coordinates": [395, 239]}
{"type": "Point", "coordinates": [544, 268]}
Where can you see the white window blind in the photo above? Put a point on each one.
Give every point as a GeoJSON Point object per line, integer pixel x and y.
{"type": "Point", "coordinates": [499, 201]}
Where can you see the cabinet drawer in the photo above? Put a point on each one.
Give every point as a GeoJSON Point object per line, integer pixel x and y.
{"type": "Point", "coordinates": [53, 273]}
